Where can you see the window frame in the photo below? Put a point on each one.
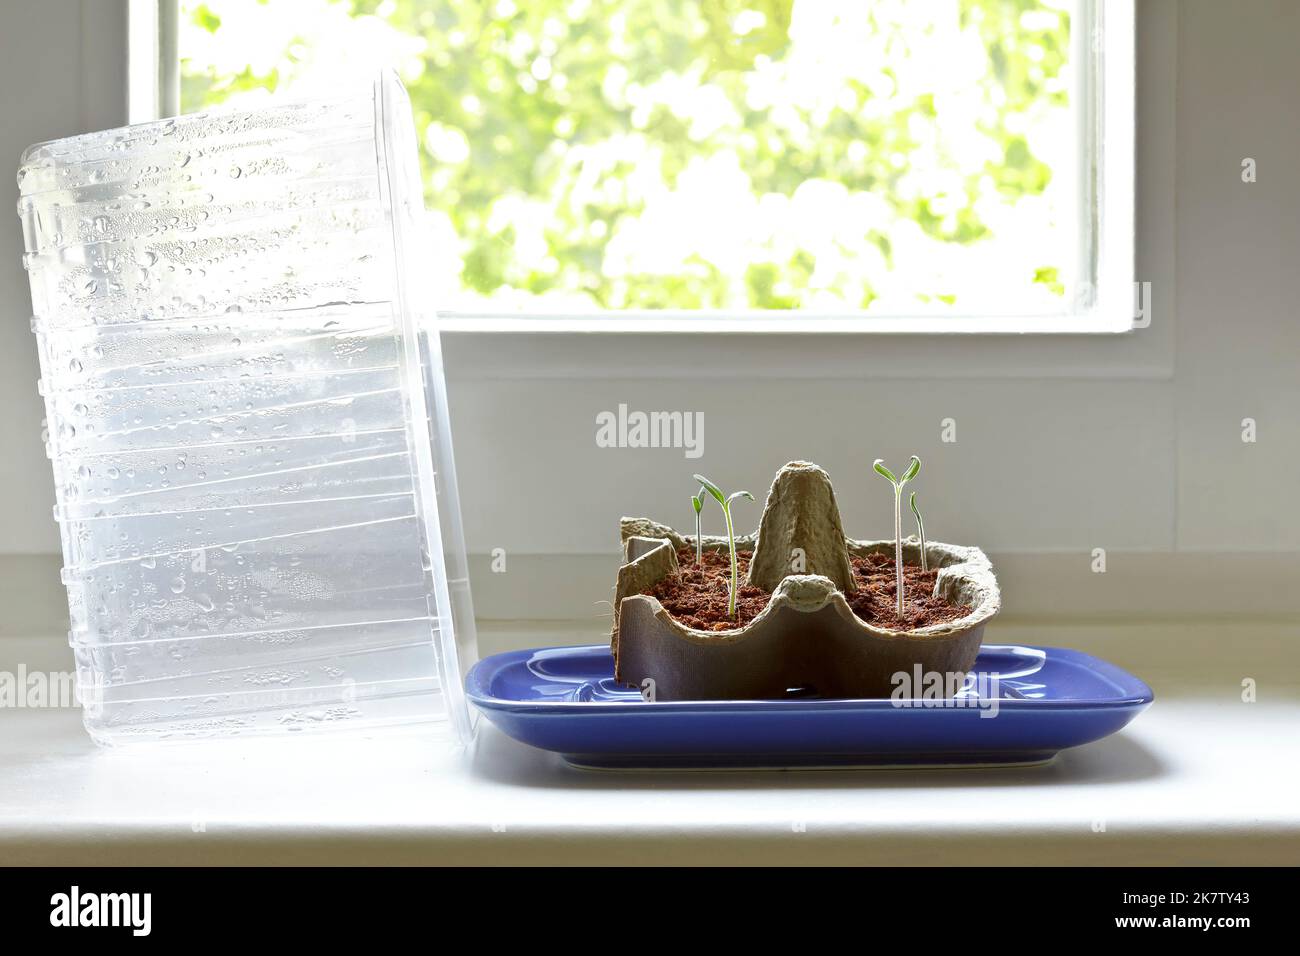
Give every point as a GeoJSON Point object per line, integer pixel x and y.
{"type": "Point", "coordinates": [1106, 49]}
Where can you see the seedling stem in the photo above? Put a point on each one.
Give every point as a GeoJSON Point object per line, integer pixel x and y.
{"type": "Point", "coordinates": [898, 484]}
{"type": "Point", "coordinates": [697, 503]}
{"type": "Point", "coordinates": [725, 501]}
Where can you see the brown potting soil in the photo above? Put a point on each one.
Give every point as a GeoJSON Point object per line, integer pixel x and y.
{"type": "Point", "coordinates": [696, 595]}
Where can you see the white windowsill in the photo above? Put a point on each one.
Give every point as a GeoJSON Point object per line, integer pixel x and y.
{"type": "Point", "coordinates": [1199, 778]}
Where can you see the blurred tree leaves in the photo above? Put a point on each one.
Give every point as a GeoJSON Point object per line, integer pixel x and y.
{"type": "Point", "coordinates": [578, 114]}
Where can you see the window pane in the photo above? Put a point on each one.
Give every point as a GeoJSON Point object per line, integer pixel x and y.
{"type": "Point", "coordinates": [834, 155]}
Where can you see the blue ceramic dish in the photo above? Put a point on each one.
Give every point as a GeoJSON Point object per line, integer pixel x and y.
{"type": "Point", "coordinates": [1025, 705]}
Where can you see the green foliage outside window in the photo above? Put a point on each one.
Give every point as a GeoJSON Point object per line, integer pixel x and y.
{"type": "Point", "coordinates": [707, 153]}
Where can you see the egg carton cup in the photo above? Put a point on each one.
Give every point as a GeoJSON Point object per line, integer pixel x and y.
{"type": "Point", "coordinates": [807, 637]}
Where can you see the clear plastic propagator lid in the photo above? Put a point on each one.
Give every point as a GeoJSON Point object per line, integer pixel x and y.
{"type": "Point", "coordinates": [248, 423]}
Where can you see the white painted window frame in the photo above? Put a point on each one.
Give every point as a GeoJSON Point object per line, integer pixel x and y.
{"type": "Point", "coordinates": [1106, 50]}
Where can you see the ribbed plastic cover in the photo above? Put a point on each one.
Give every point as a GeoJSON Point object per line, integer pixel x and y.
{"type": "Point", "coordinates": [247, 422]}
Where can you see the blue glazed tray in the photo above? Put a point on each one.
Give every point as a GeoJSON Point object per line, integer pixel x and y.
{"type": "Point", "coordinates": [1043, 700]}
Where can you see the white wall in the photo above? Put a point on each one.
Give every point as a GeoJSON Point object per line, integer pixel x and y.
{"type": "Point", "coordinates": [62, 71]}
{"type": "Point", "coordinates": [1238, 259]}
{"type": "Point", "coordinates": [1131, 443]}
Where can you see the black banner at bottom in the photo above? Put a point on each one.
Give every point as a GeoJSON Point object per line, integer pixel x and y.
{"type": "Point", "coordinates": [655, 906]}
